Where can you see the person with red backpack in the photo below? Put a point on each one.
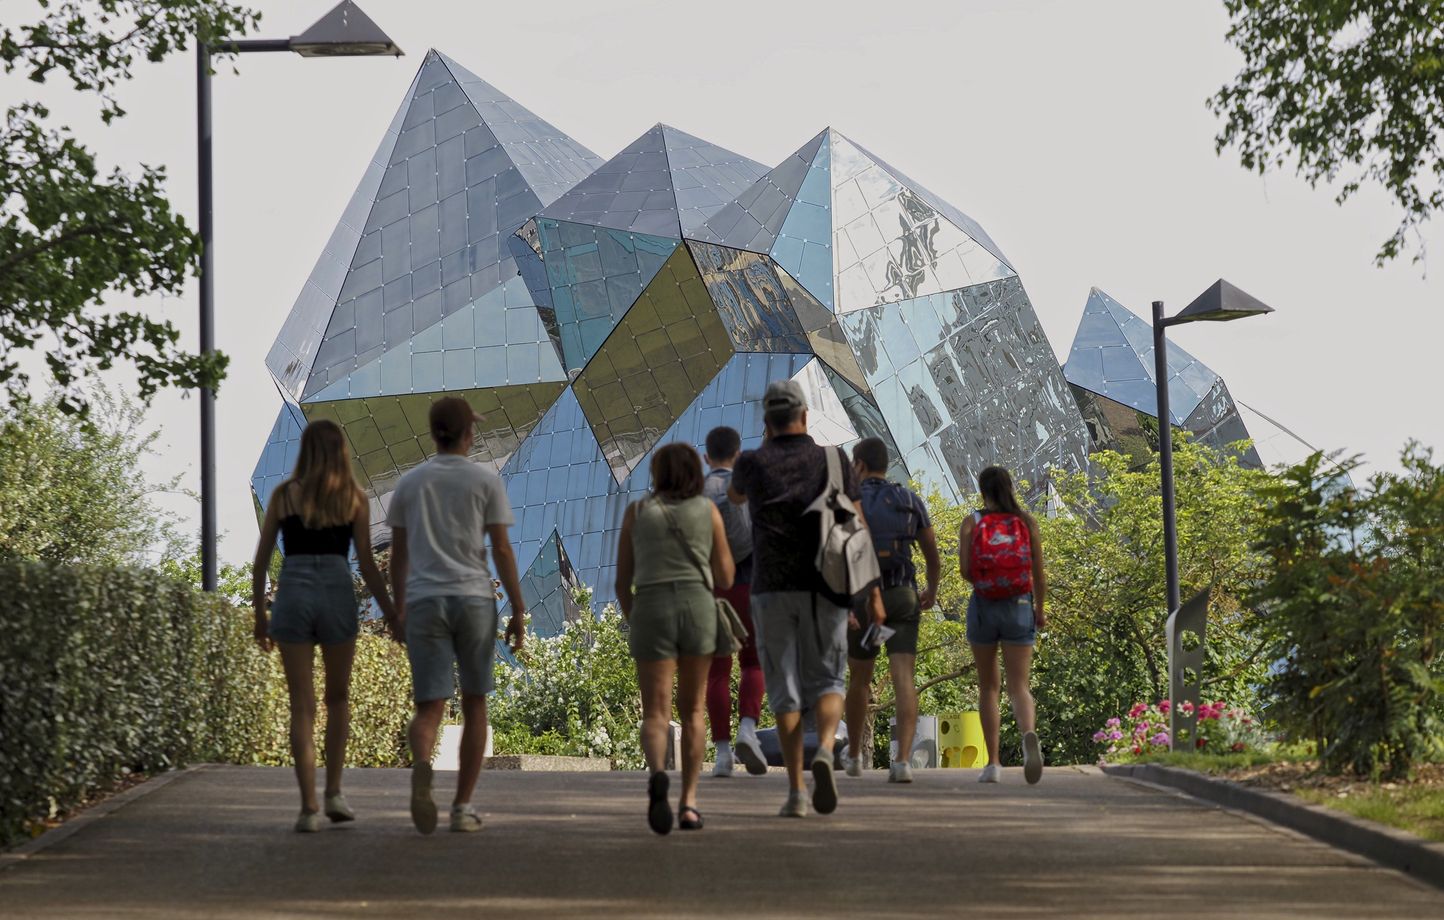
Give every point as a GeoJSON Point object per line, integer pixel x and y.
{"type": "Point", "coordinates": [1000, 553]}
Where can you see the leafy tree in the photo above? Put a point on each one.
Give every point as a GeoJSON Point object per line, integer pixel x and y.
{"type": "Point", "coordinates": [70, 235]}
{"type": "Point", "coordinates": [72, 491]}
{"type": "Point", "coordinates": [1104, 648]}
{"type": "Point", "coordinates": [1342, 87]}
{"type": "Point", "coordinates": [1355, 611]}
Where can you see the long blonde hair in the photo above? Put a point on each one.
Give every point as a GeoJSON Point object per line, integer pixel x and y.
{"type": "Point", "coordinates": [326, 492]}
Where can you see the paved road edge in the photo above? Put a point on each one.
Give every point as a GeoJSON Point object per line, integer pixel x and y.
{"type": "Point", "coordinates": [1385, 845]}
{"type": "Point", "coordinates": [17, 855]}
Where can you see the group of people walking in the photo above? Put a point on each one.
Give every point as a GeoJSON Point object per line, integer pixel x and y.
{"type": "Point", "coordinates": [708, 565]}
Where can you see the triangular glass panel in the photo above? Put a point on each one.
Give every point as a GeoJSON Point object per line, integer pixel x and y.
{"type": "Point", "coordinates": [804, 244]}
{"type": "Point", "coordinates": [890, 243]}
{"type": "Point", "coordinates": [663, 353]}
{"type": "Point", "coordinates": [750, 298]}
{"type": "Point", "coordinates": [455, 188]}
{"type": "Point", "coordinates": [754, 219]}
{"type": "Point", "coordinates": [594, 275]}
{"type": "Point", "coordinates": [389, 435]}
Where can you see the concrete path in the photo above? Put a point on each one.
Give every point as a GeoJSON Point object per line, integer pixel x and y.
{"type": "Point", "coordinates": [217, 844]}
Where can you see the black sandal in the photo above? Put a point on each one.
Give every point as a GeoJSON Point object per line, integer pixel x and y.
{"type": "Point", "coordinates": [693, 823]}
{"type": "Point", "coordinates": [659, 813]}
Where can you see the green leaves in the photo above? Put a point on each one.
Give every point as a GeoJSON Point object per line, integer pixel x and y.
{"type": "Point", "coordinates": [69, 236]}
{"type": "Point", "coordinates": [1342, 87]}
{"type": "Point", "coordinates": [1355, 608]}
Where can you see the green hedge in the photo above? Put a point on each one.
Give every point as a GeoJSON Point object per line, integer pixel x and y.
{"type": "Point", "coordinates": [105, 672]}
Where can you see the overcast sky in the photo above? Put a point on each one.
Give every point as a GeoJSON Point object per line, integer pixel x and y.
{"type": "Point", "coordinates": [1075, 133]}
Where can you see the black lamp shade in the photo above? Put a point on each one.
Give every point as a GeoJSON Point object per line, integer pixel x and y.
{"type": "Point", "coordinates": [344, 32]}
{"type": "Point", "coordinates": [1220, 303]}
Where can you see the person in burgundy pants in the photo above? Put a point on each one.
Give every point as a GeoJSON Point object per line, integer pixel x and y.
{"type": "Point", "coordinates": [723, 446]}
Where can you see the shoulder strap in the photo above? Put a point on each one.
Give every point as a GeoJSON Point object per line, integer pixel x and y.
{"type": "Point", "coordinates": [681, 537]}
{"type": "Point", "coordinates": [834, 470]}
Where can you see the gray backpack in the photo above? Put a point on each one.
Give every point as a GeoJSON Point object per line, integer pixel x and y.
{"type": "Point", "coordinates": [736, 519]}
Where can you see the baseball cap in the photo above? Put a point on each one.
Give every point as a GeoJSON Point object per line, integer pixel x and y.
{"type": "Point", "coordinates": [784, 394]}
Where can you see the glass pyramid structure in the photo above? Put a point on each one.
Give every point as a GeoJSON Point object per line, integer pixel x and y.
{"type": "Point", "coordinates": [593, 310]}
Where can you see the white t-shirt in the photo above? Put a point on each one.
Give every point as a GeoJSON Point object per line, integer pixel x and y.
{"type": "Point", "coordinates": [445, 505]}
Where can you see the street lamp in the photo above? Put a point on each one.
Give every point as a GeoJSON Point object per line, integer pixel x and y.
{"type": "Point", "coordinates": [343, 32]}
{"type": "Point", "coordinates": [1220, 303]}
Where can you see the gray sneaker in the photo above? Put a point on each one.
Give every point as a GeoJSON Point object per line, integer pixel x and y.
{"type": "Point", "coordinates": [1032, 758]}
{"type": "Point", "coordinates": [423, 809]}
{"type": "Point", "coordinates": [900, 772]}
{"type": "Point", "coordinates": [795, 806]}
{"type": "Point", "coordinates": [308, 822]}
{"type": "Point", "coordinates": [464, 819]}
{"type": "Point", "coordinates": [992, 773]}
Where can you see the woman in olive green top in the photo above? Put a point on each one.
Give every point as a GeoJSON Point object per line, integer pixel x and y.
{"type": "Point", "coordinates": [673, 617]}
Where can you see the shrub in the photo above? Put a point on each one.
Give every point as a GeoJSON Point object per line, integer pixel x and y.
{"type": "Point", "coordinates": [110, 671]}
{"type": "Point", "coordinates": [575, 694]}
{"type": "Point", "coordinates": [1354, 611]}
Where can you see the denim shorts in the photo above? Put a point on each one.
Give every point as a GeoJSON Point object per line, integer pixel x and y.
{"type": "Point", "coordinates": [315, 601]}
{"type": "Point", "coordinates": [1007, 621]}
{"type": "Point", "coordinates": [442, 631]}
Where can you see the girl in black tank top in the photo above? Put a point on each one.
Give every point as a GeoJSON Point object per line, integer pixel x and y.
{"type": "Point", "coordinates": [319, 512]}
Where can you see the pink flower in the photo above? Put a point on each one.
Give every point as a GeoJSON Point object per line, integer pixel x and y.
{"type": "Point", "coordinates": [1115, 735]}
{"type": "Point", "coordinates": [1164, 705]}
{"type": "Point", "coordinates": [1141, 728]}
{"type": "Point", "coordinates": [1199, 743]}
{"type": "Point", "coordinates": [1100, 736]}
{"type": "Point", "coordinates": [1160, 739]}
{"type": "Point", "coordinates": [1137, 710]}
{"type": "Point", "coordinates": [1114, 722]}
{"type": "Point", "coordinates": [1185, 707]}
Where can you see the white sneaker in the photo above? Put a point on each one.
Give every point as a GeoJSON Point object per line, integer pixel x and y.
{"type": "Point", "coordinates": [308, 822]}
{"type": "Point", "coordinates": [464, 819]}
{"type": "Point", "coordinates": [992, 773]}
{"type": "Point", "coordinates": [749, 750]}
{"type": "Point", "coordinates": [854, 765]}
{"type": "Point", "coordinates": [725, 763]}
{"type": "Point", "coordinates": [337, 809]}
{"type": "Point", "coordinates": [1032, 758]}
{"type": "Point", "coordinates": [901, 772]}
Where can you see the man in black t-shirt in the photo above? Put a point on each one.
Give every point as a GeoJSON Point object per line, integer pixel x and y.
{"type": "Point", "coordinates": [802, 636]}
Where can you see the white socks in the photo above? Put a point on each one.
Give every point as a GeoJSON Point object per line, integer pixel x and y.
{"type": "Point", "coordinates": [724, 747]}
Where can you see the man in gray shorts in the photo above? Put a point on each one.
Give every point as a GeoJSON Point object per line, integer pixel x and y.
{"type": "Point", "coordinates": [441, 515]}
{"type": "Point", "coordinates": [801, 634]}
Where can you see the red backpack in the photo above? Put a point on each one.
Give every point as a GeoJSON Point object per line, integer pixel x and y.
{"type": "Point", "coordinates": [1002, 556]}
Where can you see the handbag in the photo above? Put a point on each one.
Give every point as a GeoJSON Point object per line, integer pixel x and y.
{"type": "Point", "coordinates": [731, 634]}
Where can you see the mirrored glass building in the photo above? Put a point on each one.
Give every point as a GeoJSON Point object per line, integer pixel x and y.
{"type": "Point", "coordinates": [592, 310]}
{"type": "Point", "coordinates": [1111, 370]}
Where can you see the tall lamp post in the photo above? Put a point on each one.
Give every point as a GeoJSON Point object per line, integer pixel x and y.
{"type": "Point", "coordinates": [1220, 303]}
{"type": "Point", "coordinates": [343, 32]}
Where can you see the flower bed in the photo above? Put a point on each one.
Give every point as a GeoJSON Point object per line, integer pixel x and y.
{"type": "Point", "coordinates": [1144, 731]}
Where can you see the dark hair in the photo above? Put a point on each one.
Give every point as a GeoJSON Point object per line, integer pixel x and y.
{"type": "Point", "coordinates": [783, 418]}
{"type": "Point", "coordinates": [996, 485]}
{"type": "Point", "coordinates": [450, 418]}
{"type": "Point", "coordinates": [723, 443]}
{"type": "Point", "coordinates": [872, 454]}
{"type": "Point", "coordinates": [677, 472]}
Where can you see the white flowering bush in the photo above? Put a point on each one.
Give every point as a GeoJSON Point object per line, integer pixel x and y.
{"type": "Point", "coordinates": [575, 694]}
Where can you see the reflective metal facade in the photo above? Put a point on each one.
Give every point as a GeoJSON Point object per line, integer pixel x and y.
{"type": "Point", "coordinates": [1111, 371]}
{"type": "Point", "coordinates": [592, 311]}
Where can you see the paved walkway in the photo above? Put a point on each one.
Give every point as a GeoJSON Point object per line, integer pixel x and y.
{"type": "Point", "coordinates": [217, 844]}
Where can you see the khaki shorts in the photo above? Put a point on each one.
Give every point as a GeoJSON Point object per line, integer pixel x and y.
{"type": "Point", "coordinates": [442, 631]}
{"type": "Point", "coordinates": [673, 620]}
{"type": "Point", "coordinates": [802, 644]}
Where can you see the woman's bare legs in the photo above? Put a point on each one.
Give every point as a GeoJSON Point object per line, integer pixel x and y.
{"type": "Point", "coordinates": [337, 660]}
{"type": "Point", "coordinates": [298, 661]}
{"type": "Point", "coordinates": [692, 713]}
{"type": "Point", "coordinates": [986, 658]}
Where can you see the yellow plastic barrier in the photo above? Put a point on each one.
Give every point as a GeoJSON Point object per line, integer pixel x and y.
{"type": "Point", "coordinates": [960, 740]}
